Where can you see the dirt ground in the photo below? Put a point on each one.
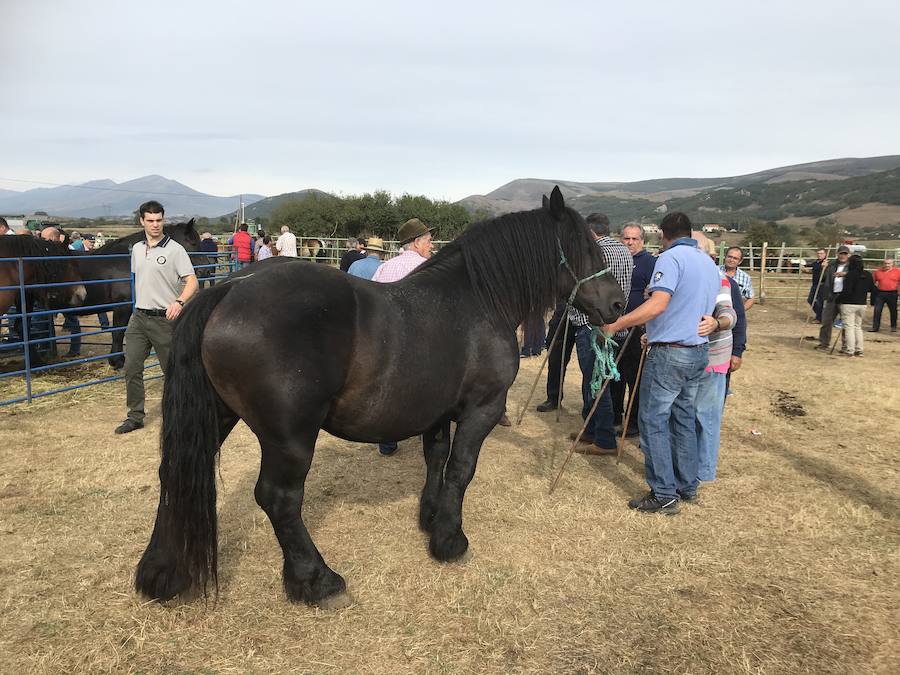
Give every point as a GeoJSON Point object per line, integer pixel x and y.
{"type": "Point", "coordinates": [789, 563]}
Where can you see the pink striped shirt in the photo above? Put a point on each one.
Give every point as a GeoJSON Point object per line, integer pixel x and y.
{"type": "Point", "coordinates": [398, 267]}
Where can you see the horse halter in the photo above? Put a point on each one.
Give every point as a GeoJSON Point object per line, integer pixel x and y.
{"type": "Point", "coordinates": [565, 263]}
{"type": "Point", "coordinates": [604, 360]}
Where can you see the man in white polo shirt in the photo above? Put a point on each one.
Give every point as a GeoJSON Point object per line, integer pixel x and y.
{"type": "Point", "coordinates": [164, 280]}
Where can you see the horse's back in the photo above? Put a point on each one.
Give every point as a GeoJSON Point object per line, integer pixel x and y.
{"type": "Point", "coordinates": [280, 336]}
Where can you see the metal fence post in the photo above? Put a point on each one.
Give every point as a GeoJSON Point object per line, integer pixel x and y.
{"type": "Point", "coordinates": [23, 310]}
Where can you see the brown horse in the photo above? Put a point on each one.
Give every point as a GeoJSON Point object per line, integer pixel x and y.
{"type": "Point", "coordinates": [40, 266]}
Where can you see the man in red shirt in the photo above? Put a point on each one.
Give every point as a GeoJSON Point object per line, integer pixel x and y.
{"type": "Point", "coordinates": [243, 246]}
{"type": "Point", "coordinates": [886, 279]}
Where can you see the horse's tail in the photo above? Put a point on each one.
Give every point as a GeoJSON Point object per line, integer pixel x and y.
{"type": "Point", "coordinates": [182, 552]}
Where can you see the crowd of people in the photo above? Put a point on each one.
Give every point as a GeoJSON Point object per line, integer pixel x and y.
{"type": "Point", "coordinates": [681, 336]}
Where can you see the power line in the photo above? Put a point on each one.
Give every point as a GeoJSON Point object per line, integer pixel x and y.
{"type": "Point", "coordinates": [109, 189]}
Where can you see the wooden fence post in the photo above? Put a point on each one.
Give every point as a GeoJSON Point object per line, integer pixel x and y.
{"type": "Point", "coordinates": [762, 273]}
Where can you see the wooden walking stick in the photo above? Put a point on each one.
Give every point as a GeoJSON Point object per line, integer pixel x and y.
{"type": "Point", "coordinates": [637, 383]}
{"type": "Point", "coordinates": [590, 414]}
{"type": "Point", "coordinates": [538, 377]}
{"type": "Point", "coordinates": [816, 294]}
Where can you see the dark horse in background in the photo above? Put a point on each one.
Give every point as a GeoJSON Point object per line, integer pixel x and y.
{"type": "Point", "coordinates": [39, 271]}
{"type": "Point", "coordinates": [444, 339]}
{"type": "Point", "coordinates": [94, 268]}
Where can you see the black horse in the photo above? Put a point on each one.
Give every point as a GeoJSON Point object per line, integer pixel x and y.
{"type": "Point", "coordinates": [48, 262]}
{"type": "Point", "coordinates": [445, 344]}
{"type": "Point", "coordinates": [94, 268]}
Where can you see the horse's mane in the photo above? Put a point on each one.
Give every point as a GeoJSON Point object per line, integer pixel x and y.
{"type": "Point", "coordinates": [26, 245]}
{"type": "Point", "coordinates": [513, 261]}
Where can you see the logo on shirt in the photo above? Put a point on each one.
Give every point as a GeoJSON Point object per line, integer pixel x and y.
{"type": "Point", "coordinates": [657, 277]}
{"type": "Point", "coordinates": [161, 259]}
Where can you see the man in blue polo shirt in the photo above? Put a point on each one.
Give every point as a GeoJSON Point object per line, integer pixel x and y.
{"type": "Point", "coordinates": [682, 292]}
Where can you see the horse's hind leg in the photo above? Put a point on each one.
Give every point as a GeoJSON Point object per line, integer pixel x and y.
{"type": "Point", "coordinates": [279, 491]}
{"type": "Point", "coordinates": [436, 445]}
{"type": "Point", "coordinates": [447, 539]}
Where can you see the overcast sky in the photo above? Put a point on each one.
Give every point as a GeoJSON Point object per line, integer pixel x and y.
{"type": "Point", "coordinates": [269, 97]}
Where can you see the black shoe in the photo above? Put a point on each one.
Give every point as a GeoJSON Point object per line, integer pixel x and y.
{"type": "Point", "coordinates": [128, 426]}
{"type": "Point", "coordinates": [547, 406]}
{"type": "Point", "coordinates": [649, 503]}
{"type": "Point", "coordinates": [872, 330]}
{"type": "Point", "coordinates": [688, 497]}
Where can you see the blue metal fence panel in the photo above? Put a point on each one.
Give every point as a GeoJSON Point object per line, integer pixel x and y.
{"type": "Point", "coordinates": [34, 338]}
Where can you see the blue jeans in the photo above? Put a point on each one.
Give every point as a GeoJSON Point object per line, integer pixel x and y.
{"type": "Point", "coordinates": [710, 405]}
{"type": "Point", "coordinates": [668, 421]}
{"type": "Point", "coordinates": [600, 427]}
{"type": "Point", "coordinates": [73, 325]}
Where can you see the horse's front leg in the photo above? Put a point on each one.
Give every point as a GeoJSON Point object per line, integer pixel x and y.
{"type": "Point", "coordinates": [447, 539]}
{"type": "Point", "coordinates": [436, 445]}
{"type": "Point", "coordinates": [121, 315]}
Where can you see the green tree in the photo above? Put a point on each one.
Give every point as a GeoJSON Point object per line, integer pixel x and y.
{"type": "Point", "coordinates": [827, 232]}
{"type": "Point", "coordinates": [758, 232]}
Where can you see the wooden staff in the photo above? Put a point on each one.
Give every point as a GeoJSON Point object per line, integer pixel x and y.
{"type": "Point", "coordinates": [816, 294]}
{"type": "Point", "coordinates": [540, 371]}
{"type": "Point", "coordinates": [637, 383]}
{"type": "Point", "coordinates": [590, 414]}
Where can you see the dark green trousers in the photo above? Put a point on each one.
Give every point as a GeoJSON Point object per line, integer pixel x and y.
{"type": "Point", "coordinates": [143, 332]}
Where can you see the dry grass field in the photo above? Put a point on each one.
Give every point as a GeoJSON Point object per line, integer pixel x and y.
{"type": "Point", "coordinates": [789, 563]}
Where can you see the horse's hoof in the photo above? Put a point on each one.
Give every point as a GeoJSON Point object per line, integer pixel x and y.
{"type": "Point", "coordinates": [464, 558]}
{"type": "Point", "coordinates": [335, 602]}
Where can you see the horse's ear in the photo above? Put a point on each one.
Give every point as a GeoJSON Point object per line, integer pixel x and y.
{"type": "Point", "coordinates": [557, 203]}
{"type": "Point", "coordinates": [189, 225]}
{"type": "Point", "coordinates": [545, 203]}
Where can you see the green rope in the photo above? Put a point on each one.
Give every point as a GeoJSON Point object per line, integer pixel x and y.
{"type": "Point", "coordinates": [604, 359]}
{"type": "Point", "coordinates": [605, 353]}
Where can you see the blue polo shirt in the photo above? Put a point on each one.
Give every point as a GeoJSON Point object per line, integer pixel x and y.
{"type": "Point", "coordinates": [692, 279]}
{"type": "Point", "coordinates": [365, 268]}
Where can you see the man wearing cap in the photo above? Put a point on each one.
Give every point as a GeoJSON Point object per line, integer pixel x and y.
{"type": "Point", "coordinates": [415, 238]}
{"type": "Point", "coordinates": [164, 280]}
{"type": "Point", "coordinates": [366, 268]}
{"type": "Point", "coordinates": [833, 283]}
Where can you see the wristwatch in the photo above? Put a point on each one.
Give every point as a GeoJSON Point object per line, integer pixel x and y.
{"type": "Point", "coordinates": [180, 302]}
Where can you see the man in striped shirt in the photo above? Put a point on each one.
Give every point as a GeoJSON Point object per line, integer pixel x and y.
{"type": "Point", "coordinates": [600, 437]}
{"type": "Point", "coordinates": [734, 256]}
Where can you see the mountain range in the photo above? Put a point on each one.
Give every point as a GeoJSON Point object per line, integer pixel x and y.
{"type": "Point", "coordinates": [110, 199]}
{"type": "Point", "coordinates": [787, 192]}
{"type": "Point", "coordinates": [860, 191]}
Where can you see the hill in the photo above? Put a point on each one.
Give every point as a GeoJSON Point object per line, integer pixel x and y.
{"type": "Point", "coordinates": [108, 198]}
{"type": "Point", "coordinates": [814, 189]}
{"type": "Point", "coordinates": [264, 207]}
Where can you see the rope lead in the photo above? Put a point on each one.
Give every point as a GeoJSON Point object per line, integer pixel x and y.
{"type": "Point", "coordinates": [604, 354]}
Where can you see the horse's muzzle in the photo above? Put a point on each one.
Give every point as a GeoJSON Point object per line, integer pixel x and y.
{"type": "Point", "coordinates": [79, 293]}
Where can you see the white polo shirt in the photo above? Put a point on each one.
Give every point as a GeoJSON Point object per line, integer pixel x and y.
{"type": "Point", "coordinates": [159, 272]}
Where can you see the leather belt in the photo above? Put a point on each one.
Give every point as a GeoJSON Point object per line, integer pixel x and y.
{"type": "Point", "coordinates": [675, 344]}
{"type": "Point", "coordinates": [151, 312]}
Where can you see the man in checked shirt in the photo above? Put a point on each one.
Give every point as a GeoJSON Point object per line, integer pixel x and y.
{"type": "Point", "coordinates": [599, 437]}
